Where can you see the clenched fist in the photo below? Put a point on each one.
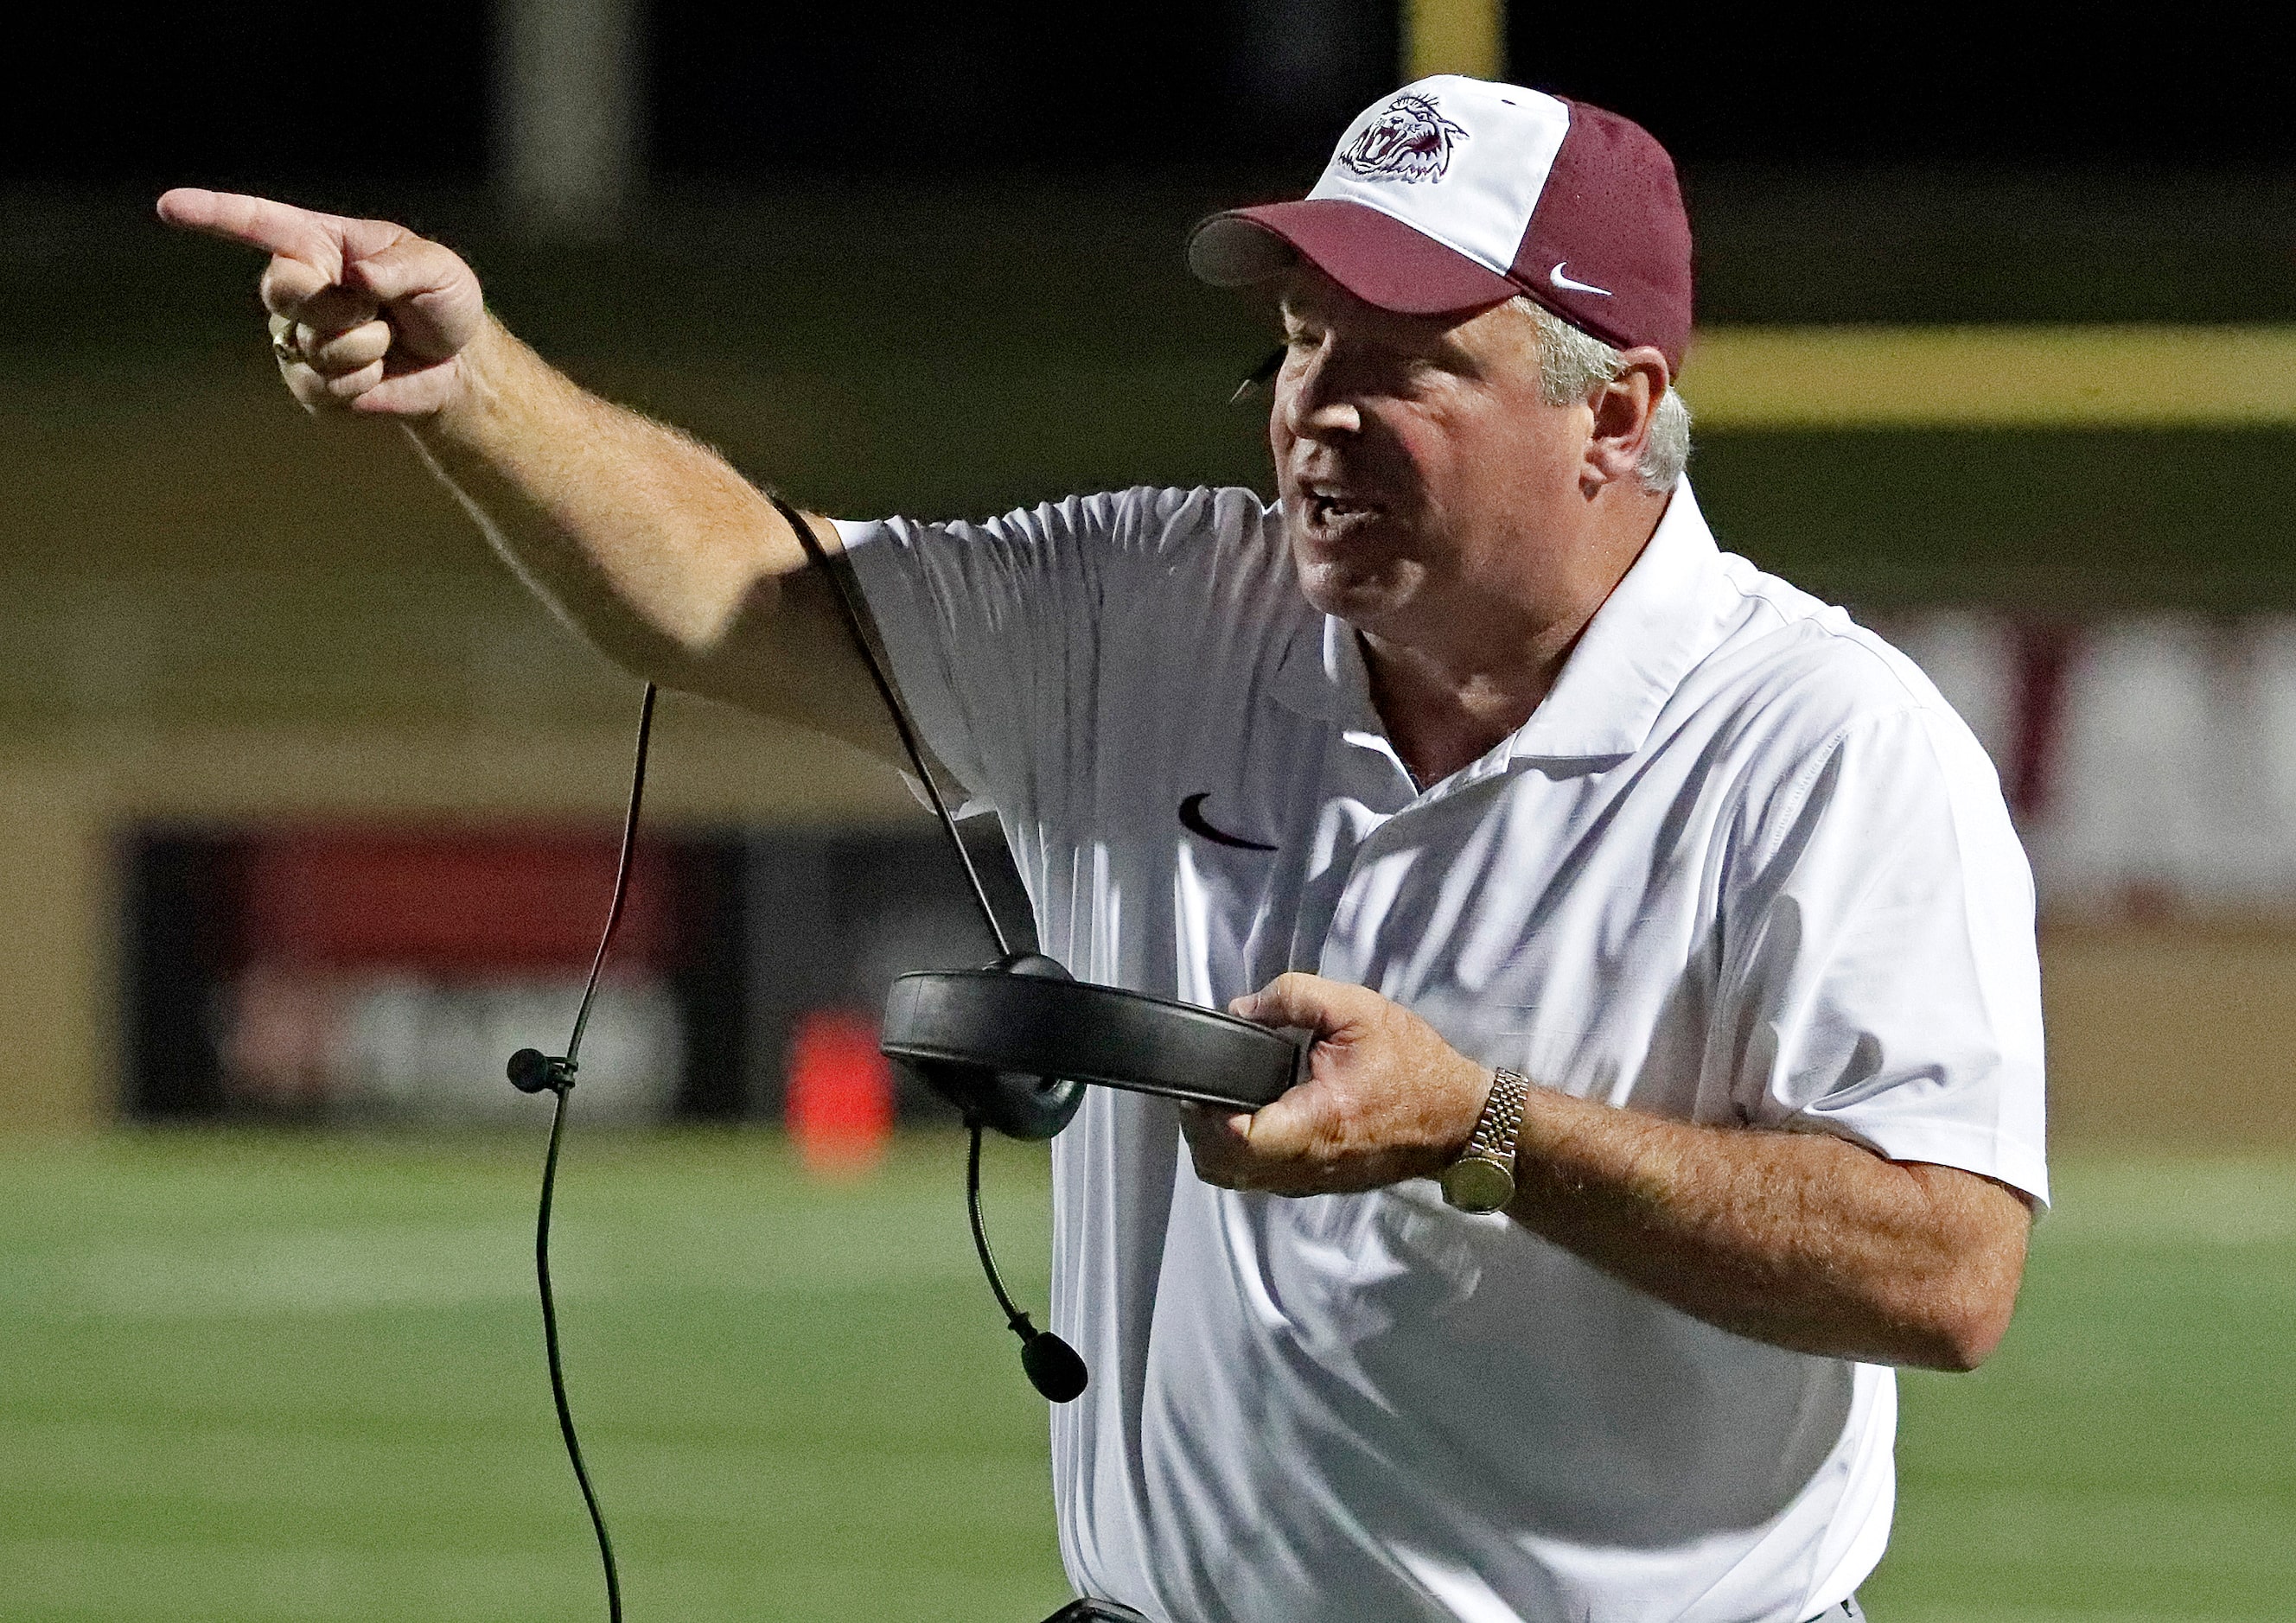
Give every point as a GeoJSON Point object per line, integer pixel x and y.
{"type": "Point", "coordinates": [1386, 1098]}
{"type": "Point", "coordinates": [366, 316]}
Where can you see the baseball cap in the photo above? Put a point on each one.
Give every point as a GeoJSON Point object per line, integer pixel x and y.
{"type": "Point", "coordinates": [1457, 193]}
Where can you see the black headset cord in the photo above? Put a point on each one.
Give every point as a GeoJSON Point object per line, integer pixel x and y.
{"type": "Point", "coordinates": [531, 1072]}
{"type": "Point", "coordinates": [850, 614]}
{"type": "Point", "coordinates": [1052, 1365]}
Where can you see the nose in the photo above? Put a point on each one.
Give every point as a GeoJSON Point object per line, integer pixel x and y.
{"type": "Point", "coordinates": [1309, 396]}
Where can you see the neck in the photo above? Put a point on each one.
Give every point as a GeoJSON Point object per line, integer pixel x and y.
{"type": "Point", "coordinates": [1447, 700]}
{"type": "Point", "coordinates": [1442, 714]}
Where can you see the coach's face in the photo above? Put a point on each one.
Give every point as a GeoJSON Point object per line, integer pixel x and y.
{"type": "Point", "coordinates": [1427, 490]}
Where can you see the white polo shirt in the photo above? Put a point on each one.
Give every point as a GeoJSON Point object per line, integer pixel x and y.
{"type": "Point", "coordinates": [1743, 866]}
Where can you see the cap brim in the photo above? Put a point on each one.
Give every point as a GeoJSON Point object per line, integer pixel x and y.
{"type": "Point", "coordinates": [1374, 256]}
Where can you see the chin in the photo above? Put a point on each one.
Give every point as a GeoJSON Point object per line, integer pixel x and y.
{"type": "Point", "coordinates": [1363, 597]}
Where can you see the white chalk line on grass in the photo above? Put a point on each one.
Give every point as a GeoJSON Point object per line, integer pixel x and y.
{"type": "Point", "coordinates": [128, 1583]}
{"type": "Point", "coordinates": [739, 1484]}
{"type": "Point", "coordinates": [362, 1270]}
{"type": "Point", "coordinates": [260, 1583]}
{"type": "Point", "coordinates": [2170, 1202]}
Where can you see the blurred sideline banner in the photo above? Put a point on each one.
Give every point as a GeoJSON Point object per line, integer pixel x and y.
{"type": "Point", "coordinates": [2151, 761]}
{"type": "Point", "coordinates": [353, 972]}
{"type": "Point", "coordinates": [344, 971]}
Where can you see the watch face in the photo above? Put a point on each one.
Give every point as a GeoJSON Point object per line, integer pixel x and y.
{"type": "Point", "coordinates": [1475, 1185]}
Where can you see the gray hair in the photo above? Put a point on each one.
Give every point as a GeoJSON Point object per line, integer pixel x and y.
{"type": "Point", "coordinates": [1573, 364]}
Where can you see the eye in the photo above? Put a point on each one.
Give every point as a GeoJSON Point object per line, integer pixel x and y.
{"type": "Point", "coordinates": [1301, 333]}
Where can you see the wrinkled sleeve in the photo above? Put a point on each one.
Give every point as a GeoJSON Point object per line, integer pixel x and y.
{"type": "Point", "coordinates": [1881, 977]}
{"type": "Point", "coordinates": [994, 629]}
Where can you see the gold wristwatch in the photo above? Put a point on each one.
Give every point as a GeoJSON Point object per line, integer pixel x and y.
{"type": "Point", "coordinates": [1482, 1179]}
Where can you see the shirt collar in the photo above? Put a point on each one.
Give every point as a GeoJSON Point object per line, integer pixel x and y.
{"type": "Point", "coordinates": [1323, 676]}
{"type": "Point", "coordinates": [1657, 623]}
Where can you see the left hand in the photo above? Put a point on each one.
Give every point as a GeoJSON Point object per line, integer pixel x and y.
{"type": "Point", "coordinates": [1386, 1098]}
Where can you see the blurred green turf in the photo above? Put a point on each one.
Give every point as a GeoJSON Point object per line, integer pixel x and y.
{"type": "Point", "coordinates": [299, 1377]}
{"type": "Point", "coordinates": [263, 1378]}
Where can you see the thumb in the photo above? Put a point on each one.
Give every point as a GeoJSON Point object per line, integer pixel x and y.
{"type": "Point", "coordinates": [406, 268]}
{"type": "Point", "coordinates": [1324, 1007]}
{"type": "Point", "coordinates": [435, 295]}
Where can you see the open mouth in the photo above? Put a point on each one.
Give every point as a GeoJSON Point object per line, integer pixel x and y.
{"type": "Point", "coordinates": [1333, 509]}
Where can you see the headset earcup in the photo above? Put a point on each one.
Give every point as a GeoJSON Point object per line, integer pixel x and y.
{"type": "Point", "coordinates": [1017, 1105]}
{"type": "Point", "coordinates": [1032, 1108]}
{"type": "Point", "coordinates": [1013, 1019]}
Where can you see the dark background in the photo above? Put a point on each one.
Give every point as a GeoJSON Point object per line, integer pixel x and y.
{"type": "Point", "coordinates": [927, 260]}
{"type": "Point", "coordinates": [277, 92]}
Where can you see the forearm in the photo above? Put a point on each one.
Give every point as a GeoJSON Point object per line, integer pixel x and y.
{"type": "Point", "coordinates": [646, 540]}
{"type": "Point", "coordinates": [1801, 1240]}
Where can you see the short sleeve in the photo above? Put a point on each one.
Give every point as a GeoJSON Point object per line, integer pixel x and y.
{"type": "Point", "coordinates": [1881, 977]}
{"type": "Point", "coordinates": [994, 629]}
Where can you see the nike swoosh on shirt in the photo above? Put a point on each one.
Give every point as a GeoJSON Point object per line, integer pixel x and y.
{"type": "Point", "coordinates": [1192, 818]}
{"type": "Point", "coordinates": [1568, 285]}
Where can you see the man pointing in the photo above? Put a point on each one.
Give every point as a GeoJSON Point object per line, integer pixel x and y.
{"type": "Point", "coordinates": [1668, 950]}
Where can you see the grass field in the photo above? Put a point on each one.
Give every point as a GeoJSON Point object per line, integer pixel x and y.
{"type": "Point", "coordinates": [265, 1378]}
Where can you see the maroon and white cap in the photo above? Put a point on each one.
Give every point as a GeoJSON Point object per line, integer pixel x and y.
{"type": "Point", "coordinates": [1457, 194]}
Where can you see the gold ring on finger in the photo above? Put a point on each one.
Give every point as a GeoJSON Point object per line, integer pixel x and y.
{"type": "Point", "coordinates": [282, 346]}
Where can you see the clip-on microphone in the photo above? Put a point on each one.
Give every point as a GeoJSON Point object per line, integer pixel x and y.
{"type": "Point", "coordinates": [530, 1072]}
{"type": "Point", "coordinates": [1012, 1045]}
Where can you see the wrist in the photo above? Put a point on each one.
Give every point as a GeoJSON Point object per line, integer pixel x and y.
{"type": "Point", "coordinates": [1480, 1178]}
{"type": "Point", "coordinates": [1476, 1091]}
{"type": "Point", "coordinates": [471, 414]}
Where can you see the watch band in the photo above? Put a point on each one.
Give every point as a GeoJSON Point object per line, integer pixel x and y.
{"type": "Point", "coordinates": [1502, 1119]}
{"type": "Point", "coordinates": [1481, 1179]}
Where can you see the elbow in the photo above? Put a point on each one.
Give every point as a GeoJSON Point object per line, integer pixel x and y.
{"type": "Point", "coordinates": [1953, 1338]}
{"type": "Point", "coordinates": [1962, 1343]}
{"type": "Point", "coordinates": [1963, 1296]}
{"type": "Point", "coordinates": [1963, 1322]}
{"type": "Point", "coordinates": [703, 640]}
{"type": "Point", "coordinates": [695, 660]}
{"type": "Point", "coordinates": [649, 656]}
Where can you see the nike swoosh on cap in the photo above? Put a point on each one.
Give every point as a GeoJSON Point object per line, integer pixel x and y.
{"type": "Point", "coordinates": [1192, 818]}
{"type": "Point", "coordinates": [1568, 285]}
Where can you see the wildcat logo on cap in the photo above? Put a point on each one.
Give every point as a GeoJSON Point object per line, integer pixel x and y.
{"type": "Point", "coordinates": [1573, 207]}
{"type": "Point", "coordinates": [1409, 141]}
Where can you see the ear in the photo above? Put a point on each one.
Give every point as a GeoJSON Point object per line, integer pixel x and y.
{"type": "Point", "coordinates": [1622, 411]}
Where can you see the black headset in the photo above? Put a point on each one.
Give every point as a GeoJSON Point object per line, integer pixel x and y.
{"type": "Point", "coordinates": [1012, 1045]}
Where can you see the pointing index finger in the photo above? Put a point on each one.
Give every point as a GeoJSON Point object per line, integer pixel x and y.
{"type": "Point", "coordinates": [259, 223]}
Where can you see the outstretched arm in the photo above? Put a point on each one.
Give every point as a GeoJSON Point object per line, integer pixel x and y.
{"type": "Point", "coordinates": [1802, 1240]}
{"type": "Point", "coordinates": [643, 537]}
